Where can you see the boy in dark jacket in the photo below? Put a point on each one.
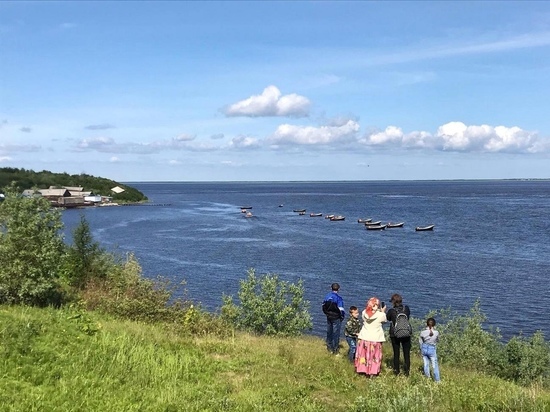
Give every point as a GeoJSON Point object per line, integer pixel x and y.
{"type": "Point", "coordinates": [352, 329]}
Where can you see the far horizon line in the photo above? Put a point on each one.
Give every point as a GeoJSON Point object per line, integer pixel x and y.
{"type": "Point", "coordinates": [341, 181]}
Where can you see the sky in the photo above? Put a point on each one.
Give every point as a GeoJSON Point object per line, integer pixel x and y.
{"type": "Point", "coordinates": [276, 91]}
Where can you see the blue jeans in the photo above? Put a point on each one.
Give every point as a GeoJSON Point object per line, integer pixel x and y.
{"type": "Point", "coordinates": [352, 342]}
{"type": "Point", "coordinates": [429, 355]}
{"type": "Point", "coordinates": [333, 335]}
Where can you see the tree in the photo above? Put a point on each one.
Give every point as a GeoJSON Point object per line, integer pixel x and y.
{"type": "Point", "coordinates": [268, 306]}
{"type": "Point", "coordinates": [31, 250]}
{"type": "Point", "coordinates": [82, 256]}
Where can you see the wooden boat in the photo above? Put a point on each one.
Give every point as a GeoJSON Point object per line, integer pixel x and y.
{"type": "Point", "coordinates": [337, 218]}
{"type": "Point", "coordinates": [246, 207]}
{"type": "Point", "coordinates": [364, 220]}
{"type": "Point", "coordinates": [375, 227]}
{"type": "Point", "coordinates": [391, 225]}
{"type": "Point", "coordinates": [371, 223]}
{"type": "Point", "coordinates": [315, 214]}
{"type": "Point", "coordinates": [424, 228]}
{"type": "Point", "coordinates": [329, 216]}
{"type": "Point", "coordinates": [299, 210]}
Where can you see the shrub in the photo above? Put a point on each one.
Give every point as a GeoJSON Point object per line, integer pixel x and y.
{"type": "Point", "coordinates": [527, 359]}
{"type": "Point", "coordinates": [31, 250]}
{"type": "Point", "coordinates": [268, 306]}
{"type": "Point", "coordinates": [464, 342]}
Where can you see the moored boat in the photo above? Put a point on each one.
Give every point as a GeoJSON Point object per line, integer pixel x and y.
{"type": "Point", "coordinates": [315, 214]}
{"type": "Point", "coordinates": [248, 214]}
{"type": "Point", "coordinates": [371, 223]}
{"type": "Point", "coordinates": [336, 218]}
{"type": "Point", "coordinates": [391, 225]}
{"type": "Point", "coordinates": [375, 227]}
{"type": "Point", "coordinates": [424, 228]}
{"type": "Point", "coordinates": [299, 210]}
{"type": "Point", "coordinates": [302, 213]}
{"type": "Point", "coordinates": [329, 216]}
{"type": "Point", "coordinates": [364, 220]}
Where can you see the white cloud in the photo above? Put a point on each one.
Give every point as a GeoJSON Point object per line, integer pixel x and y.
{"type": "Point", "coordinates": [244, 142]}
{"type": "Point", "coordinates": [5, 159]}
{"type": "Point", "coordinates": [458, 137]}
{"type": "Point", "coordinates": [114, 159]}
{"type": "Point", "coordinates": [270, 103]}
{"type": "Point", "coordinates": [310, 135]}
{"type": "Point", "coordinates": [174, 162]}
{"type": "Point", "coordinates": [217, 136]}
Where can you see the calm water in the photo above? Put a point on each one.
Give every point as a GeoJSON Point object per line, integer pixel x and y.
{"type": "Point", "coordinates": [491, 241]}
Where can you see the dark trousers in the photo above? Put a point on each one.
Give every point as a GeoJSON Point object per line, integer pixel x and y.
{"type": "Point", "coordinates": [333, 334]}
{"type": "Point", "coordinates": [396, 343]}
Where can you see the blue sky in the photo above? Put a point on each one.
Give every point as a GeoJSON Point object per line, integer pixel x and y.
{"type": "Point", "coordinates": [199, 91]}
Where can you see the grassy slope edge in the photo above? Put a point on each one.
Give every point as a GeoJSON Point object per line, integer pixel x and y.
{"type": "Point", "coordinates": [69, 360]}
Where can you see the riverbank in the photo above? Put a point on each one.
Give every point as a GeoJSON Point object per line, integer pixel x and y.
{"type": "Point", "coordinates": [69, 360]}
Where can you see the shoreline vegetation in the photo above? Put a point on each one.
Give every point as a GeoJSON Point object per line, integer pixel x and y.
{"type": "Point", "coordinates": [31, 180]}
{"type": "Point", "coordinates": [83, 330]}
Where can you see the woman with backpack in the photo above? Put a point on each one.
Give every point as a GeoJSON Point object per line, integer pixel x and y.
{"type": "Point", "coordinates": [400, 333]}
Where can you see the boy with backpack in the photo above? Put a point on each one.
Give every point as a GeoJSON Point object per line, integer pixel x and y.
{"type": "Point", "coordinates": [400, 333]}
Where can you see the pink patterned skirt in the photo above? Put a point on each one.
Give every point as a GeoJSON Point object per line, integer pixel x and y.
{"type": "Point", "coordinates": [368, 357]}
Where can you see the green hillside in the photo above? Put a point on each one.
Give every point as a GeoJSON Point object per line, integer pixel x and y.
{"type": "Point", "coordinates": [28, 179]}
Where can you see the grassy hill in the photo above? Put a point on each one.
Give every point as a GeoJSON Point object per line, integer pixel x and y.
{"type": "Point", "coordinates": [28, 179]}
{"type": "Point", "coordinates": [71, 360]}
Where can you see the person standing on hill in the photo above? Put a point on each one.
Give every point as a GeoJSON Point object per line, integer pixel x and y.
{"type": "Point", "coordinates": [368, 358]}
{"type": "Point", "coordinates": [333, 308]}
{"type": "Point", "coordinates": [351, 330]}
{"type": "Point", "coordinates": [428, 340]}
{"type": "Point", "coordinates": [400, 333]}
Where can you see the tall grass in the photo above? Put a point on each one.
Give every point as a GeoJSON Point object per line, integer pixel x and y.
{"type": "Point", "coordinates": [66, 360]}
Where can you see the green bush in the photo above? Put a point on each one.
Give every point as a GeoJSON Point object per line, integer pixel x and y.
{"type": "Point", "coordinates": [527, 359]}
{"type": "Point", "coordinates": [268, 306]}
{"type": "Point", "coordinates": [31, 250]}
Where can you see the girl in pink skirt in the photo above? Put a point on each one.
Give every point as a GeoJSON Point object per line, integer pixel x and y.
{"type": "Point", "coordinates": [368, 357]}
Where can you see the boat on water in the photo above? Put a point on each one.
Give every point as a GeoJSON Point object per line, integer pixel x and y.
{"type": "Point", "coordinates": [424, 228]}
{"type": "Point", "coordinates": [315, 214]}
{"type": "Point", "coordinates": [392, 225]}
{"type": "Point", "coordinates": [329, 216]}
{"type": "Point", "coordinates": [364, 220]}
{"type": "Point", "coordinates": [375, 227]}
{"type": "Point", "coordinates": [371, 223]}
{"type": "Point", "coordinates": [299, 210]}
{"type": "Point", "coordinates": [281, 205]}
{"type": "Point", "coordinates": [249, 214]}
{"type": "Point", "coordinates": [245, 207]}
{"type": "Point", "coordinates": [337, 218]}
{"type": "Point", "coordinates": [302, 213]}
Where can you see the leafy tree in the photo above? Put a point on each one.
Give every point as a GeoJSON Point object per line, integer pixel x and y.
{"type": "Point", "coordinates": [268, 306]}
{"type": "Point", "coordinates": [31, 250]}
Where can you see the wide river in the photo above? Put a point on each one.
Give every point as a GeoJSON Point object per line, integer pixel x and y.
{"type": "Point", "coordinates": [491, 242]}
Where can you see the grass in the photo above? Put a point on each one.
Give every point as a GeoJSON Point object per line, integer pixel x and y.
{"type": "Point", "coordinates": [64, 360]}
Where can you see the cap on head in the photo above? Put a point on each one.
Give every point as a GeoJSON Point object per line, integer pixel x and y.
{"type": "Point", "coordinates": [335, 287]}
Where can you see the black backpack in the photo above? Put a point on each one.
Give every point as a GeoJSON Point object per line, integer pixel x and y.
{"type": "Point", "coordinates": [402, 327]}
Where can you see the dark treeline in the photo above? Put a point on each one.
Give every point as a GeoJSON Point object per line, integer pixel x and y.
{"type": "Point", "coordinates": [29, 179]}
